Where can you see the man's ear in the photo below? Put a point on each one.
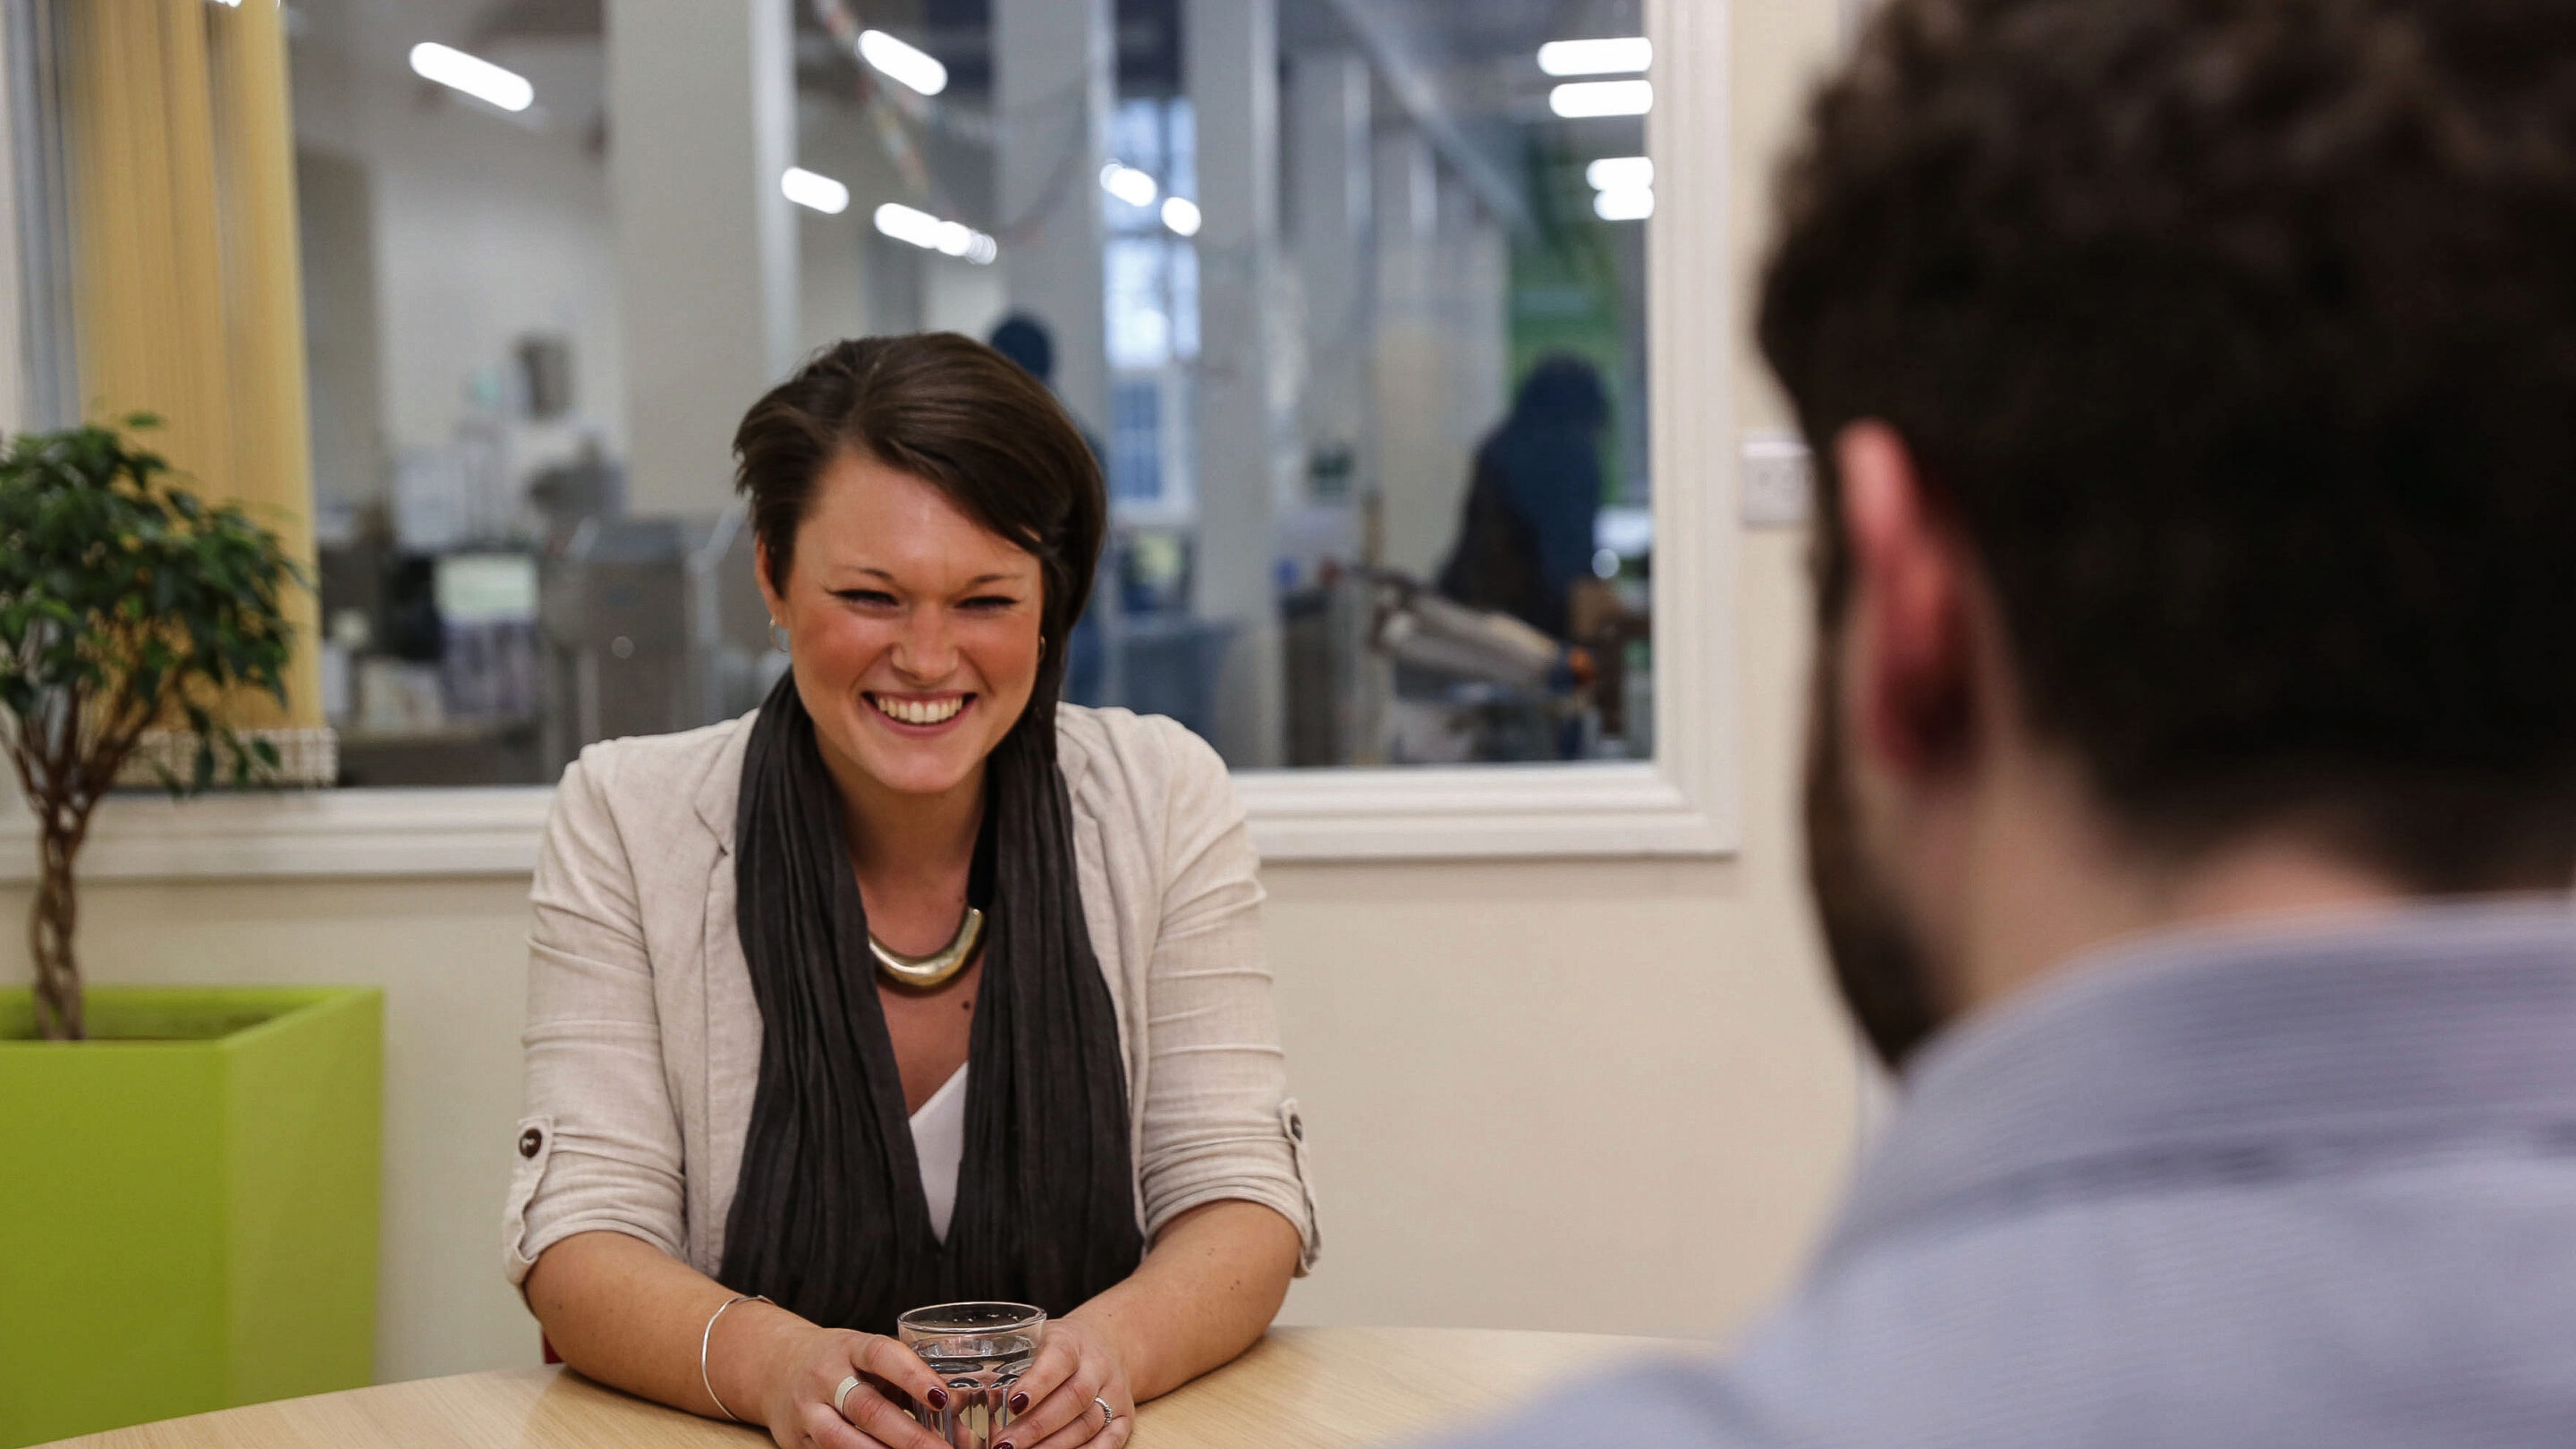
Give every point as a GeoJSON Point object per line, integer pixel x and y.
{"type": "Point", "coordinates": [1908, 678]}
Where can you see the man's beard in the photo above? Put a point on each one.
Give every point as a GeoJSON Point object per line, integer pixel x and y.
{"type": "Point", "coordinates": [1879, 963]}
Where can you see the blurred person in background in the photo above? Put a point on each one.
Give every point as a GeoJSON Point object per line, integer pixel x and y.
{"type": "Point", "coordinates": [1525, 535]}
{"type": "Point", "coordinates": [2192, 790]}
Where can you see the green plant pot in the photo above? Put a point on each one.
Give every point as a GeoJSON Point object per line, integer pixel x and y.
{"type": "Point", "coordinates": [188, 1204]}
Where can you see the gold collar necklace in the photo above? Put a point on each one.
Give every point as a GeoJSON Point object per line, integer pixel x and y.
{"type": "Point", "coordinates": [926, 973]}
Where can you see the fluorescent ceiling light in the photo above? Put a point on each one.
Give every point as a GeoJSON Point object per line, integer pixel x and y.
{"type": "Point", "coordinates": [814, 189]}
{"type": "Point", "coordinates": [473, 75]}
{"type": "Point", "coordinates": [1128, 184]}
{"type": "Point", "coordinates": [907, 224]}
{"type": "Point", "coordinates": [1620, 173]}
{"type": "Point", "coordinates": [1596, 57]}
{"type": "Point", "coordinates": [1181, 214]}
{"type": "Point", "coordinates": [1602, 98]}
{"type": "Point", "coordinates": [909, 64]}
{"type": "Point", "coordinates": [921, 229]}
{"type": "Point", "coordinates": [1634, 203]}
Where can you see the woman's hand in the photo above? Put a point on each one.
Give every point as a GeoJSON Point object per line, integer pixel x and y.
{"type": "Point", "coordinates": [874, 1415]}
{"type": "Point", "coordinates": [1056, 1404]}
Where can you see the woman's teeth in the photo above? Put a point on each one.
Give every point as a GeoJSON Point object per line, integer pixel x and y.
{"type": "Point", "coordinates": [920, 711]}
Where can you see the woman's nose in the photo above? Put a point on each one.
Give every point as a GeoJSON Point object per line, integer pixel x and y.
{"type": "Point", "coordinates": [923, 650]}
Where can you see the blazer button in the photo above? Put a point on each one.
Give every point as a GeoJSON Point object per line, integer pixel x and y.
{"type": "Point", "coordinates": [530, 1141]}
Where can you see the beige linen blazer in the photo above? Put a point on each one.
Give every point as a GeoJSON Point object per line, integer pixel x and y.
{"type": "Point", "coordinates": [643, 1039]}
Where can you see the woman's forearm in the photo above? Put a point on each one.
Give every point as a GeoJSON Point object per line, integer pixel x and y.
{"type": "Point", "coordinates": [1207, 1290]}
{"type": "Point", "coordinates": [626, 1313]}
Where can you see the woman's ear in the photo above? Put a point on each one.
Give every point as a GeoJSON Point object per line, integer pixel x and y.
{"type": "Point", "coordinates": [769, 592]}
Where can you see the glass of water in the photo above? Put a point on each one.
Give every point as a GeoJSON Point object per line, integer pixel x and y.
{"type": "Point", "coordinates": [979, 1350]}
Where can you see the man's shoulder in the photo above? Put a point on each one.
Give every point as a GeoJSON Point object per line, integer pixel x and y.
{"type": "Point", "coordinates": [2288, 1311]}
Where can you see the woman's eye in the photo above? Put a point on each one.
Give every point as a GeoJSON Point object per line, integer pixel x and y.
{"type": "Point", "coordinates": [989, 603]}
{"type": "Point", "coordinates": [873, 598]}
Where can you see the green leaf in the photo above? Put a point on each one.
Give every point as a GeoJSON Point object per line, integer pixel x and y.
{"type": "Point", "coordinates": [116, 584]}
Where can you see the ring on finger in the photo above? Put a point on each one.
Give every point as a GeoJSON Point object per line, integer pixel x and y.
{"type": "Point", "coordinates": [841, 1395]}
{"type": "Point", "coordinates": [1108, 1415]}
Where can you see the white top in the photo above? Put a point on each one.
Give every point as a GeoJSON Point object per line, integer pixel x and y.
{"type": "Point", "coordinates": [939, 1140]}
{"type": "Point", "coordinates": [644, 1039]}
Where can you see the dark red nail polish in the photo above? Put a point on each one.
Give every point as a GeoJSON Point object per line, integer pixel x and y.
{"type": "Point", "coordinates": [1019, 1404]}
{"type": "Point", "coordinates": [939, 1398]}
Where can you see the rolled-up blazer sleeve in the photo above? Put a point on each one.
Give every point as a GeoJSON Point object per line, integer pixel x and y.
{"type": "Point", "coordinates": [1217, 1121]}
{"type": "Point", "coordinates": [600, 1147]}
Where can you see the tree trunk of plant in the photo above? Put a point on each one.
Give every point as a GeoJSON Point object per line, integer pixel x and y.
{"type": "Point", "coordinates": [50, 922]}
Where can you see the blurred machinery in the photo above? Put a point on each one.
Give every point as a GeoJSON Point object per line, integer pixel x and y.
{"type": "Point", "coordinates": [1475, 685]}
{"type": "Point", "coordinates": [650, 625]}
{"type": "Point", "coordinates": [1336, 684]}
{"type": "Point", "coordinates": [1169, 666]}
{"type": "Point", "coordinates": [1420, 628]}
{"type": "Point", "coordinates": [732, 658]}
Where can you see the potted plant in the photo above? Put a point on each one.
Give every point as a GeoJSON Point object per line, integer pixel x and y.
{"type": "Point", "coordinates": [190, 1176]}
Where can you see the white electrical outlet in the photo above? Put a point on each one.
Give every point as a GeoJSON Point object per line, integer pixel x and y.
{"type": "Point", "coordinates": [1779, 479]}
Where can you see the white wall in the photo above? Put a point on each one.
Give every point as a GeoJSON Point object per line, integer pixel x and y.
{"type": "Point", "coordinates": [838, 294]}
{"type": "Point", "coordinates": [1587, 1095]}
{"type": "Point", "coordinates": [832, 252]}
{"type": "Point", "coordinates": [479, 245]}
{"type": "Point", "coordinates": [335, 224]}
{"type": "Point", "coordinates": [962, 297]}
{"type": "Point", "coordinates": [486, 228]}
{"type": "Point", "coordinates": [1440, 354]}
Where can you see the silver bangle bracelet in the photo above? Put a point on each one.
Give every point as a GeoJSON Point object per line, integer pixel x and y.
{"type": "Point", "coordinates": [707, 1337]}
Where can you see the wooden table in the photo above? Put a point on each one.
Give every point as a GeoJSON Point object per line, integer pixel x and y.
{"type": "Point", "coordinates": [1299, 1388]}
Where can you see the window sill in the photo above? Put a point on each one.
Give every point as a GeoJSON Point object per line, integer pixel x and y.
{"type": "Point", "coordinates": [301, 833]}
{"type": "Point", "coordinates": [1499, 812]}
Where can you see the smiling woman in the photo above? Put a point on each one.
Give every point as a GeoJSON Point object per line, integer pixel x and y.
{"type": "Point", "coordinates": [1019, 936]}
{"type": "Point", "coordinates": [916, 629]}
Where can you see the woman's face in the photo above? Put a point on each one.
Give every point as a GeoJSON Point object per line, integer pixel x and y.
{"type": "Point", "coordinates": [913, 631]}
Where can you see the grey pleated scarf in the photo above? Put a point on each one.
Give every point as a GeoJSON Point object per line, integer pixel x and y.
{"type": "Point", "coordinates": [828, 1216]}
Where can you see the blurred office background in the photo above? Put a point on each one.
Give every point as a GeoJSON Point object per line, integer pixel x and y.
{"type": "Point", "coordinates": [1287, 263]}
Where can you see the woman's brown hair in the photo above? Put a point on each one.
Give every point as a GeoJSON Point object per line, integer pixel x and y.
{"type": "Point", "coordinates": [825, 1220]}
{"type": "Point", "coordinates": [955, 414]}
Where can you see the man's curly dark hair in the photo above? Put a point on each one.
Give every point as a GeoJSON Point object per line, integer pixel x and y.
{"type": "Point", "coordinates": [2238, 337]}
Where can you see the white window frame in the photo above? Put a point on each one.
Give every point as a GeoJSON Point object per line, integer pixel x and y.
{"type": "Point", "coordinates": [1683, 803]}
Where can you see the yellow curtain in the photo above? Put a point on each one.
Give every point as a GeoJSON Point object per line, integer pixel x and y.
{"type": "Point", "coordinates": [186, 298]}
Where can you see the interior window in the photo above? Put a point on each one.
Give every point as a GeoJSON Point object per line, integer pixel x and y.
{"type": "Point", "coordinates": [1348, 294]}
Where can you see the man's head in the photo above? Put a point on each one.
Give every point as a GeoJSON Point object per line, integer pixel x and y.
{"type": "Point", "coordinates": [2194, 388]}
